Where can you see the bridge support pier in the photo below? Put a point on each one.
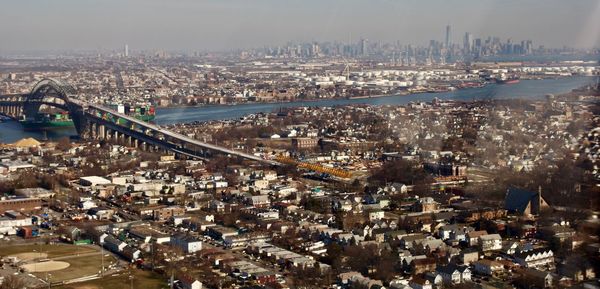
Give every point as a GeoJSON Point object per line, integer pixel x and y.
{"type": "Point", "coordinates": [102, 131]}
{"type": "Point", "coordinates": [13, 111]}
{"type": "Point", "coordinates": [93, 129]}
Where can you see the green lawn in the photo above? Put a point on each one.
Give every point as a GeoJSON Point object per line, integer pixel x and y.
{"type": "Point", "coordinates": [53, 251]}
{"type": "Point", "coordinates": [142, 279]}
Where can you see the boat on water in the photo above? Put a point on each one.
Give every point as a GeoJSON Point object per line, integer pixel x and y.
{"type": "Point", "coordinates": [46, 121]}
{"type": "Point", "coordinates": [62, 120]}
{"type": "Point", "coordinates": [508, 81]}
{"type": "Point", "coordinates": [463, 85]}
{"type": "Point", "coordinates": [503, 79]}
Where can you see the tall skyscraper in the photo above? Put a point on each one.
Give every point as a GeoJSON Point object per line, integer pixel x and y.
{"type": "Point", "coordinates": [447, 36]}
{"type": "Point", "coordinates": [126, 53]}
{"type": "Point", "coordinates": [364, 46]}
{"type": "Point", "coordinates": [468, 42]}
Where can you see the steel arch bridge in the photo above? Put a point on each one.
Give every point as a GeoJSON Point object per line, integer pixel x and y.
{"type": "Point", "coordinates": [49, 92]}
{"type": "Point", "coordinates": [95, 121]}
{"type": "Point", "coordinates": [56, 93]}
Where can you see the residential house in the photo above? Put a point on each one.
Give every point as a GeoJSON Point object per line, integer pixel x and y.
{"type": "Point", "coordinates": [469, 256]}
{"type": "Point", "coordinates": [187, 243]}
{"type": "Point", "coordinates": [420, 283]}
{"type": "Point", "coordinates": [490, 242]}
{"type": "Point", "coordinates": [426, 205]}
{"type": "Point", "coordinates": [350, 278]}
{"type": "Point", "coordinates": [435, 278]}
{"type": "Point", "coordinates": [131, 254]}
{"type": "Point", "coordinates": [487, 267]}
{"type": "Point", "coordinates": [188, 282]}
{"type": "Point", "coordinates": [536, 258]}
{"type": "Point", "coordinates": [532, 278]}
{"type": "Point", "coordinates": [407, 241]}
{"type": "Point", "coordinates": [164, 214]}
{"type": "Point", "coordinates": [557, 235]}
{"type": "Point", "coordinates": [454, 274]}
{"type": "Point", "coordinates": [419, 266]}
{"type": "Point", "coordinates": [577, 268]}
{"type": "Point", "coordinates": [101, 213]}
{"type": "Point", "coordinates": [473, 237]}
{"type": "Point", "coordinates": [454, 232]}
{"type": "Point", "coordinates": [260, 201]}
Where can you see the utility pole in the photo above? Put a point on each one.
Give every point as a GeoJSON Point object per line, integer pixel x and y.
{"type": "Point", "coordinates": [34, 256]}
{"type": "Point", "coordinates": [102, 258]}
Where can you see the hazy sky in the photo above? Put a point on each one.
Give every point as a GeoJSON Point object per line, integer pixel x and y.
{"type": "Point", "coordinates": [222, 24]}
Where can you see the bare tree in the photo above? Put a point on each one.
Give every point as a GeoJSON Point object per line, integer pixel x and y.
{"type": "Point", "coordinates": [12, 282]}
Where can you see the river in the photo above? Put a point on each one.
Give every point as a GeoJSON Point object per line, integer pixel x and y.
{"type": "Point", "coordinates": [11, 131]}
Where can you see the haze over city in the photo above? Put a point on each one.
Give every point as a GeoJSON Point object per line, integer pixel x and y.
{"type": "Point", "coordinates": [300, 144]}
{"type": "Point", "coordinates": [190, 25]}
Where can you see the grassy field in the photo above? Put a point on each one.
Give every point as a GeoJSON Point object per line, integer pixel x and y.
{"type": "Point", "coordinates": [53, 251]}
{"type": "Point", "coordinates": [83, 260]}
{"type": "Point", "coordinates": [142, 280]}
{"type": "Point", "coordinates": [79, 267]}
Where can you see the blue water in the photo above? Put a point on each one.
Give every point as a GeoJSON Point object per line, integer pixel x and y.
{"type": "Point", "coordinates": [526, 89]}
{"type": "Point", "coordinates": [11, 131]}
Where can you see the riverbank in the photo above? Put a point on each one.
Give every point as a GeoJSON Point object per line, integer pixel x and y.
{"type": "Point", "coordinates": [396, 94]}
{"type": "Point", "coordinates": [527, 89]}
{"type": "Point", "coordinates": [11, 131]}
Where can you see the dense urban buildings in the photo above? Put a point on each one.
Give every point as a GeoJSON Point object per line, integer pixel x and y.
{"type": "Point", "coordinates": [470, 162]}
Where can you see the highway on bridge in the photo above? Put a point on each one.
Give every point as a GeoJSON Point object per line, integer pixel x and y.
{"type": "Point", "coordinates": [57, 93]}
{"type": "Point", "coordinates": [174, 135]}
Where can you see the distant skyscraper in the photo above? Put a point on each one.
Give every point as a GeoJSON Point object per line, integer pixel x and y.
{"type": "Point", "coordinates": [468, 42]}
{"type": "Point", "coordinates": [364, 43]}
{"type": "Point", "coordinates": [126, 50]}
{"type": "Point", "coordinates": [447, 36]}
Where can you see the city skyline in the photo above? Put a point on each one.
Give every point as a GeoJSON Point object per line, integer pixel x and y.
{"type": "Point", "coordinates": [229, 25]}
{"type": "Point", "coordinates": [300, 144]}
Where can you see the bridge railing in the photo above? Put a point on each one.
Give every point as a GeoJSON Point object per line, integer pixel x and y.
{"type": "Point", "coordinates": [89, 108]}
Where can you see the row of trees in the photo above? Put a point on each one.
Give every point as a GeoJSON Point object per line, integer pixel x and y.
{"type": "Point", "coordinates": [400, 171]}
{"type": "Point", "coordinates": [33, 179]}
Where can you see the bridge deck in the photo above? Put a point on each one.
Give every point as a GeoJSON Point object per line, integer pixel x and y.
{"type": "Point", "coordinates": [177, 136]}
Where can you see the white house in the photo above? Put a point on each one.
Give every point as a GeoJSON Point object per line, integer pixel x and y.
{"type": "Point", "coordinates": [190, 283]}
{"type": "Point", "coordinates": [537, 258]}
{"type": "Point", "coordinates": [187, 243]}
{"type": "Point", "coordinates": [376, 215]}
{"type": "Point", "coordinates": [454, 274]}
{"type": "Point", "coordinates": [490, 242]}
